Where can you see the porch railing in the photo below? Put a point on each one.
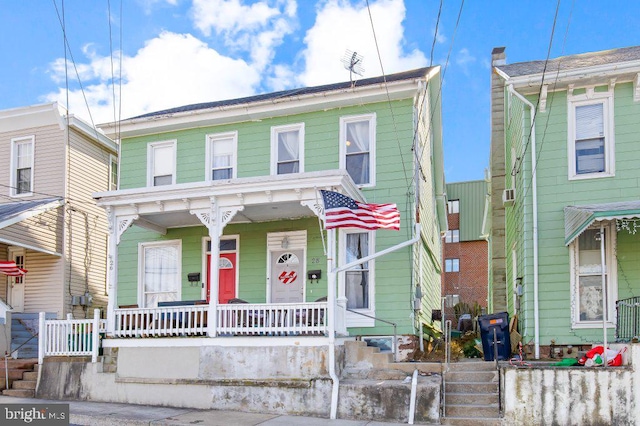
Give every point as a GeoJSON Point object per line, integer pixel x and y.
{"type": "Point", "coordinates": [70, 337]}
{"type": "Point", "coordinates": [246, 319]}
{"type": "Point", "coordinates": [627, 319]}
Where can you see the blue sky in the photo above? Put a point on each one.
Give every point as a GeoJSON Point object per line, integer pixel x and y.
{"type": "Point", "coordinates": [177, 52]}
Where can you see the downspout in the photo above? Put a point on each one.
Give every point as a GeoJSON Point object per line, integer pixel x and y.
{"type": "Point", "coordinates": [331, 320]}
{"type": "Point", "coordinates": [331, 298]}
{"type": "Point", "coordinates": [534, 200]}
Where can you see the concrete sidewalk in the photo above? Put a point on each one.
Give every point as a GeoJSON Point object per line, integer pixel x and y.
{"type": "Point", "coordinates": [106, 413]}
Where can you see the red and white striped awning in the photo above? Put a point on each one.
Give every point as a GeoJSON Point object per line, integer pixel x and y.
{"type": "Point", "coordinates": [8, 267]}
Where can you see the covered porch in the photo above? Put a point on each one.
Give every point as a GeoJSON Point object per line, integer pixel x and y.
{"type": "Point", "coordinates": [214, 205]}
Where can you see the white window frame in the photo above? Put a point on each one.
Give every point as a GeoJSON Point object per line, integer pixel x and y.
{"type": "Point", "coordinates": [611, 268]}
{"type": "Point", "coordinates": [453, 206]}
{"type": "Point", "coordinates": [13, 183]}
{"type": "Point", "coordinates": [275, 131]}
{"type": "Point", "coordinates": [591, 98]}
{"type": "Point", "coordinates": [151, 146]}
{"type": "Point", "coordinates": [165, 243]}
{"type": "Point", "coordinates": [113, 159]}
{"type": "Point", "coordinates": [210, 151]}
{"type": "Point", "coordinates": [353, 319]}
{"type": "Point", "coordinates": [372, 144]}
{"type": "Point", "coordinates": [451, 261]}
{"type": "Point", "coordinates": [452, 236]}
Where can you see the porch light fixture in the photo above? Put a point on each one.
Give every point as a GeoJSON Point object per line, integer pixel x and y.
{"type": "Point", "coordinates": [285, 242]}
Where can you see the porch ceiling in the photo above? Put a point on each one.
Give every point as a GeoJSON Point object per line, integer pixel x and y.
{"type": "Point", "coordinates": [579, 218]}
{"type": "Point", "coordinates": [261, 199]}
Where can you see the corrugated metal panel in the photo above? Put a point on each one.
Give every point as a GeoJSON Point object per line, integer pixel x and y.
{"type": "Point", "coordinates": [472, 196]}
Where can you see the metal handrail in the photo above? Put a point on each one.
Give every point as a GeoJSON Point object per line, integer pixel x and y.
{"type": "Point", "coordinates": [395, 333]}
{"type": "Point", "coordinates": [7, 354]}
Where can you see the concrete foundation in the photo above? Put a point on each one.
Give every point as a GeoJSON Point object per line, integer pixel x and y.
{"type": "Point", "coordinates": [278, 378]}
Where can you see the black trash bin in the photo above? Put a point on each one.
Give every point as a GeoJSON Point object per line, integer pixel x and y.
{"type": "Point", "coordinates": [495, 328]}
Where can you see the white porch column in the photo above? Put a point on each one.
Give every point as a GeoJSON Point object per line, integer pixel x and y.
{"type": "Point", "coordinates": [117, 226]}
{"type": "Point", "coordinates": [341, 301]}
{"type": "Point", "coordinates": [331, 281]}
{"type": "Point", "coordinates": [215, 219]}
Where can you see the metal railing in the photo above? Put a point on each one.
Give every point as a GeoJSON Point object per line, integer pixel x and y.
{"type": "Point", "coordinates": [395, 331]}
{"type": "Point", "coordinates": [627, 319]}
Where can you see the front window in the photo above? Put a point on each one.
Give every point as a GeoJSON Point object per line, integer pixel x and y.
{"type": "Point", "coordinates": [287, 149]}
{"type": "Point", "coordinates": [22, 157]}
{"type": "Point", "coordinates": [160, 265]}
{"type": "Point", "coordinates": [588, 277]}
{"type": "Point", "coordinates": [358, 278]}
{"type": "Point", "coordinates": [162, 163]}
{"type": "Point", "coordinates": [591, 149]}
{"type": "Point", "coordinates": [357, 147]}
{"type": "Point", "coordinates": [221, 156]}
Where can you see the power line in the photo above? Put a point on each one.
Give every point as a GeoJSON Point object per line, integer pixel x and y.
{"type": "Point", "coordinates": [384, 77]}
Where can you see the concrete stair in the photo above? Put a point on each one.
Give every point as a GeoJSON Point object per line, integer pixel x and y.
{"type": "Point", "coordinates": [471, 394]}
{"type": "Point", "coordinates": [22, 377]}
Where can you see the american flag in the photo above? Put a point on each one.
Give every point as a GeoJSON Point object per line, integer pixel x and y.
{"type": "Point", "coordinates": [341, 211]}
{"type": "Point", "coordinates": [9, 268]}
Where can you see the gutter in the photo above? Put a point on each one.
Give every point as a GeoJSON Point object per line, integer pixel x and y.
{"type": "Point", "coordinates": [534, 195]}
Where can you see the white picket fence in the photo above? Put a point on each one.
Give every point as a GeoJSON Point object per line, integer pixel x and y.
{"type": "Point", "coordinates": [70, 337]}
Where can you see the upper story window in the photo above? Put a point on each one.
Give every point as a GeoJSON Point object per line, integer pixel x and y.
{"type": "Point", "coordinates": [452, 236]}
{"type": "Point", "coordinates": [221, 156]}
{"type": "Point", "coordinates": [591, 141]}
{"type": "Point", "coordinates": [452, 265]}
{"type": "Point", "coordinates": [287, 149]}
{"type": "Point", "coordinates": [22, 160]}
{"type": "Point", "coordinates": [113, 173]}
{"type": "Point", "coordinates": [357, 148]}
{"type": "Point", "coordinates": [587, 277]}
{"type": "Point", "coordinates": [161, 157]}
{"type": "Point", "coordinates": [453, 206]}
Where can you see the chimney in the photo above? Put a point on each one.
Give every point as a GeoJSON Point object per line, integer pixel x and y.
{"type": "Point", "coordinates": [498, 57]}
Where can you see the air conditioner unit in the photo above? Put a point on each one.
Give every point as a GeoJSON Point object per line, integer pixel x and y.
{"type": "Point", "coordinates": [508, 196]}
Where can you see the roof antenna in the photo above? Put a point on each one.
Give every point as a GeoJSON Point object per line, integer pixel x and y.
{"type": "Point", "coordinates": [352, 62]}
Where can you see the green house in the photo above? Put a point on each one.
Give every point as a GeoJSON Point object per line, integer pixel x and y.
{"type": "Point", "coordinates": [565, 201]}
{"type": "Point", "coordinates": [223, 199]}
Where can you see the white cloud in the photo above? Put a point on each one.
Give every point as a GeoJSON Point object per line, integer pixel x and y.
{"type": "Point", "coordinates": [169, 71]}
{"type": "Point", "coordinates": [340, 26]}
{"type": "Point", "coordinates": [257, 28]}
{"type": "Point", "coordinates": [465, 60]}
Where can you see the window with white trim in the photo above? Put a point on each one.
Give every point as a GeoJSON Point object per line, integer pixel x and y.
{"type": "Point", "coordinates": [452, 265]}
{"type": "Point", "coordinates": [358, 147]}
{"type": "Point", "coordinates": [453, 206]}
{"type": "Point", "coordinates": [159, 264]}
{"type": "Point", "coordinates": [221, 156]}
{"type": "Point", "coordinates": [591, 141]}
{"type": "Point", "coordinates": [113, 173]}
{"type": "Point", "coordinates": [452, 236]}
{"type": "Point", "coordinates": [587, 267]}
{"type": "Point", "coordinates": [287, 149]}
{"type": "Point", "coordinates": [161, 157]}
{"type": "Point", "coordinates": [358, 280]}
{"type": "Point", "coordinates": [22, 162]}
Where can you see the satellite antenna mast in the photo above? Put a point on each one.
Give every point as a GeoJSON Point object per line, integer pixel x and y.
{"type": "Point", "coordinates": [352, 62]}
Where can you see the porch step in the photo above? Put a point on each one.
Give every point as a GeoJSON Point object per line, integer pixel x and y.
{"type": "Point", "coordinates": [22, 378]}
{"type": "Point", "coordinates": [471, 394]}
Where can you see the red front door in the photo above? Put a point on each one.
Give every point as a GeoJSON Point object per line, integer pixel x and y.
{"type": "Point", "coordinates": [227, 277]}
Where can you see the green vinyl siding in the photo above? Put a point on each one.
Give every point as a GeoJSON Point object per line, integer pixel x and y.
{"type": "Point", "coordinates": [472, 196]}
{"type": "Point", "coordinates": [555, 191]}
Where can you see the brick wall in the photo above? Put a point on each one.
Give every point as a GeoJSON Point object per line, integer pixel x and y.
{"type": "Point", "coordinates": [471, 282]}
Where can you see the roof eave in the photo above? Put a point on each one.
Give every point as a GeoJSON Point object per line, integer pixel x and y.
{"type": "Point", "coordinates": [623, 71]}
{"type": "Point", "coordinates": [267, 108]}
